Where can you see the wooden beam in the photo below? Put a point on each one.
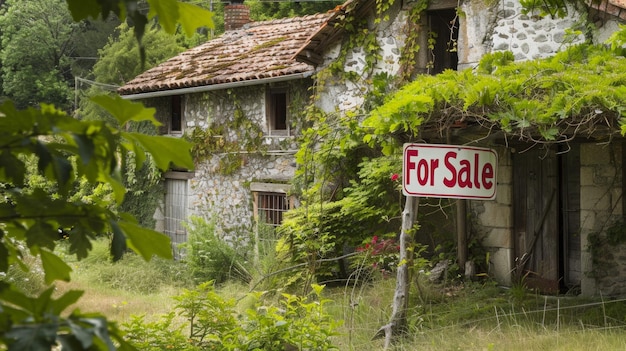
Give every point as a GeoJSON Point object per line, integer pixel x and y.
{"type": "Point", "coordinates": [442, 5]}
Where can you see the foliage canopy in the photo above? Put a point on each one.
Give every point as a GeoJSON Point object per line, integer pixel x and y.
{"type": "Point", "coordinates": [66, 151]}
{"type": "Point", "coordinates": [577, 92]}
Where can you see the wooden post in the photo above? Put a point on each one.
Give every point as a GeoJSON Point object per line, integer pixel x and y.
{"type": "Point", "coordinates": [398, 320]}
{"type": "Point", "coordinates": [461, 233]}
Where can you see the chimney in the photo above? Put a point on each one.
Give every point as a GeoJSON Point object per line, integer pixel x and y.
{"type": "Point", "coordinates": [236, 14]}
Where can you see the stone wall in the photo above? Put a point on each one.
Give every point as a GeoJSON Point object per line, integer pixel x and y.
{"type": "Point", "coordinates": [601, 208]}
{"type": "Point", "coordinates": [226, 198]}
{"type": "Point", "coordinates": [530, 37]}
{"type": "Point", "coordinates": [492, 220]}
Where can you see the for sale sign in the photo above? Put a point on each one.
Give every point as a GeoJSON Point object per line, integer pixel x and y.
{"type": "Point", "coordinates": [449, 171]}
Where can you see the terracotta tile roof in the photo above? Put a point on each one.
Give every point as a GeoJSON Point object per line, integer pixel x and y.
{"type": "Point", "coordinates": [258, 50]}
{"type": "Point", "coordinates": [615, 8]}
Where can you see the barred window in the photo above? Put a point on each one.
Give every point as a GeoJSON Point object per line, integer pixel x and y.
{"type": "Point", "coordinates": [270, 202]}
{"type": "Point", "coordinates": [271, 207]}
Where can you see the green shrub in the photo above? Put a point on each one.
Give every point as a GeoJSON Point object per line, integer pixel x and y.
{"type": "Point", "coordinates": [156, 336]}
{"type": "Point", "coordinates": [211, 317]}
{"type": "Point", "coordinates": [209, 258]}
{"type": "Point", "coordinates": [296, 322]}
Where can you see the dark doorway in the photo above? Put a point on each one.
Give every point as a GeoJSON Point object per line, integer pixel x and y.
{"type": "Point", "coordinates": [444, 32]}
{"type": "Point", "coordinates": [546, 195]}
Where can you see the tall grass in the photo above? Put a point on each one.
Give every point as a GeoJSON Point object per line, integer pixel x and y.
{"type": "Point", "coordinates": [471, 316]}
{"type": "Point", "coordinates": [481, 317]}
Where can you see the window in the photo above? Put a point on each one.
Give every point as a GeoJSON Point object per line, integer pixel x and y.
{"type": "Point", "coordinates": [444, 28]}
{"type": "Point", "coordinates": [277, 112]}
{"type": "Point", "coordinates": [270, 202]}
{"type": "Point", "coordinates": [439, 32]}
{"type": "Point", "coordinates": [176, 209]}
{"type": "Point", "coordinates": [271, 207]}
{"type": "Point", "coordinates": [176, 121]}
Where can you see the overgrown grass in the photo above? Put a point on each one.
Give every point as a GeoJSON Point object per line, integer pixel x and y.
{"type": "Point", "coordinates": [481, 316]}
{"type": "Point", "coordinates": [472, 316]}
{"type": "Point", "coordinates": [125, 288]}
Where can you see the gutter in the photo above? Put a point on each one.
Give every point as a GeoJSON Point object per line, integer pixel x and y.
{"type": "Point", "coordinates": [221, 86]}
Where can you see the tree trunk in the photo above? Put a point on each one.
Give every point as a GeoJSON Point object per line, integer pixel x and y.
{"type": "Point", "coordinates": [398, 320]}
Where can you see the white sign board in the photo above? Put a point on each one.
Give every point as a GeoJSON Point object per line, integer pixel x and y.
{"type": "Point", "coordinates": [449, 171]}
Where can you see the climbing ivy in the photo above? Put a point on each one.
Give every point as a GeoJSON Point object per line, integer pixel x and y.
{"type": "Point", "coordinates": [576, 92]}
{"type": "Point", "coordinates": [347, 195]}
{"type": "Point", "coordinates": [229, 139]}
{"type": "Point", "coordinates": [411, 47]}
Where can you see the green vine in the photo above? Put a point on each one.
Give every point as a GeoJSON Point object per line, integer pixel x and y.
{"type": "Point", "coordinates": [229, 140]}
{"type": "Point", "coordinates": [411, 47]}
{"type": "Point", "coordinates": [361, 37]}
{"type": "Point", "coordinates": [579, 89]}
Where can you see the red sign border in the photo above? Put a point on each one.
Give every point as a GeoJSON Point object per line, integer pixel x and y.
{"type": "Point", "coordinates": [447, 196]}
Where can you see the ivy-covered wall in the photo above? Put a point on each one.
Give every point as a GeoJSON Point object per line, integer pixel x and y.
{"type": "Point", "coordinates": [387, 44]}
{"type": "Point", "coordinates": [241, 151]}
{"type": "Point", "coordinates": [232, 148]}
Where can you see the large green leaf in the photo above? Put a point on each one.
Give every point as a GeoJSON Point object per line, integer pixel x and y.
{"type": "Point", "coordinates": [54, 267]}
{"type": "Point", "coordinates": [41, 234]}
{"type": "Point", "coordinates": [118, 243]}
{"type": "Point", "coordinates": [13, 169]}
{"type": "Point", "coordinates": [165, 150]}
{"type": "Point", "coordinates": [167, 12]}
{"type": "Point", "coordinates": [125, 110]}
{"type": "Point", "coordinates": [66, 300]}
{"type": "Point", "coordinates": [146, 242]}
{"type": "Point", "coordinates": [33, 337]}
{"type": "Point", "coordinates": [82, 9]}
{"type": "Point", "coordinates": [193, 17]}
{"type": "Point", "coordinates": [80, 243]}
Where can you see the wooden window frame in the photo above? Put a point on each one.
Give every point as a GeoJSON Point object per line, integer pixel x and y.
{"type": "Point", "coordinates": [176, 120]}
{"type": "Point", "coordinates": [270, 189]}
{"type": "Point", "coordinates": [426, 60]}
{"type": "Point", "coordinates": [277, 112]}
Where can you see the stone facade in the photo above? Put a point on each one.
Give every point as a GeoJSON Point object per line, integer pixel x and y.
{"type": "Point", "coordinates": [225, 197]}
{"type": "Point", "coordinates": [487, 28]}
{"type": "Point", "coordinates": [601, 208]}
{"type": "Point", "coordinates": [492, 220]}
{"type": "Point", "coordinates": [531, 37]}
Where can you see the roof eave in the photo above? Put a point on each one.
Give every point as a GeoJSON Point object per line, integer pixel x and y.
{"type": "Point", "coordinates": [221, 86]}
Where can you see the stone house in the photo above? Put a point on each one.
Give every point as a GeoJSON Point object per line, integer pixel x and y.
{"type": "Point", "coordinates": [235, 96]}
{"type": "Point", "coordinates": [549, 201]}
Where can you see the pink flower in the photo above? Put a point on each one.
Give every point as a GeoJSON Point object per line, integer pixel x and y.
{"type": "Point", "coordinates": [395, 177]}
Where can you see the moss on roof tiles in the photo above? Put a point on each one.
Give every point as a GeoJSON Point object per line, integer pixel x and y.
{"type": "Point", "coordinates": [263, 49]}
